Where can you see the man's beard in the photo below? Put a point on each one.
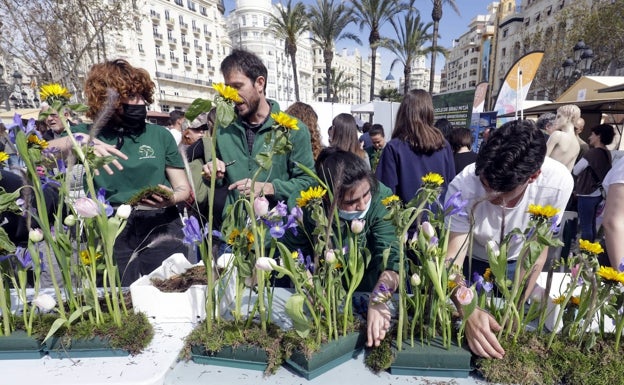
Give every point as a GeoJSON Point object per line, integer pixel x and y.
{"type": "Point", "coordinates": [253, 108]}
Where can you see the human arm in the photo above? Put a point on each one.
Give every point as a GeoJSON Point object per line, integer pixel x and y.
{"type": "Point", "coordinates": [180, 188]}
{"type": "Point", "coordinates": [378, 317]}
{"type": "Point", "coordinates": [580, 166]}
{"type": "Point", "coordinates": [613, 222]}
{"type": "Point", "coordinates": [100, 149]}
{"type": "Point", "coordinates": [480, 326]}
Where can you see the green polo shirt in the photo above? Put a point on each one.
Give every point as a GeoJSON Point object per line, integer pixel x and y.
{"type": "Point", "coordinates": [149, 153]}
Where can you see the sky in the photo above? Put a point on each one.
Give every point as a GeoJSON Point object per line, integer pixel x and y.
{"type": "Point", "coordinates": [452, 26]}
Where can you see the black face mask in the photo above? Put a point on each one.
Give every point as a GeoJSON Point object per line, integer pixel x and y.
{"type": "Point", "coordinates": [133, 118]}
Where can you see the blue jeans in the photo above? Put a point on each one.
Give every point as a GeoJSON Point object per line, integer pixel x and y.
{"type": "Point", "coordinates": [587, 208]}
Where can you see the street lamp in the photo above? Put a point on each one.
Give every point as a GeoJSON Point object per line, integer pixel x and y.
{"type": "Point", "coordinates": [580, 63]}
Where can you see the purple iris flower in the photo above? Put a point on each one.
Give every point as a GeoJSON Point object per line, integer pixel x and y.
{"type": "Point", "coordinates": [192, 231]}
{"type": "Point", "coordinates": [291, 224]}
{"type": "Point", "coordinates": [621, 267]}
{"type": "Point", "coordinates": [433, 241]}
{"type": "Point", "coordinates": [101, 196]}
{"type": "Point", "coordinates": [481, 284]}
{"type": "Point", "coordinates": [281, 209]}
{"type": "Point", "coordinates": [309, 264]}
{"type": "Point", "coordinates": [297, 213]}
{"type": "Point", "coordinates": [23, 256]}
{"type": "Point", "coordinates": [455, 205]}
{"type": "Point", "coordinates": [277, 230]}
{"type": "Point", "coordinates": [60, 164]}
{"type": "Point", "coordinates": [554, 227]}
{"type": "Point", "coordinates": [217, 233]}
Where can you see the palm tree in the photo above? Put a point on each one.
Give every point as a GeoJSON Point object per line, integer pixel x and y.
{"type": "Point", "coordinates": [374, 14]}
{"type": "Point", "coordinates": [327, 23]}
{"type": "Point", "coordinates": [412, 35]}
{"type": "Point", "coordinates": [340, 82]}
{"type": "Point", "coordinates": [436, 16]}
{"type": "Point", "coordinates": [289, 24]}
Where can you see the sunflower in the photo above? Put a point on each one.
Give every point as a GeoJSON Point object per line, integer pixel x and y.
{"type": "Point", "coordinates": [543, 211]}
{"type": "Point", "coordinates": [311, 194]}
{"type": "Point", "coordinates": [433, 179]}
{"type": "Point", "coordinates": [488, 274]}
{"type": "Point", "coordinates": [34, 140]}
{"type": "Point", "coordinates": [233, 235]}
{"type": "Point", "coordinates": [3, 157]}
{"type": "Point", "coordinates": [389, 200]}
{"type": "Point", "coordinates": [284, 120]}
{"type": "Point", "coordinates": [590, 247]}
{"type": "Point", "coordinates": [559, 300]}
{"type": "Point", "coordinates": [53, 92]}
{"type": "Point", "coordinates": [228, 93]}
{"type": "Point", "coordinates": [611, 275]}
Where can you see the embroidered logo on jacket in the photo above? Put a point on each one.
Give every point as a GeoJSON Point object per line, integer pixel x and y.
{"type": "Point", "coordinates": [146, 152]}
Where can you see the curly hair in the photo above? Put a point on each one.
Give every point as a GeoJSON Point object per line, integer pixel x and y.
{"type": "Point", "coordinates": [513, 153]}
{"type": "Point", "coordinates": [308, 116]}
{"type": "Point", "coordinates": [246, 62]}
{"type": "Point", "coordinates": [120, 77]}
{"type": "Point", "coordinates": [414, 123]}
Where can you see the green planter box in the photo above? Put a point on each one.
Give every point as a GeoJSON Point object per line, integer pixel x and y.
{"type": "Point", "coordinates": [20, 346]}
{"type": "Point", "coordinates": [83, 348]}
{"type": "Point", "coordinates": [432, 359]}
{"type": "Point", "coordinates": [241, 357]}
{"type": "Point", "coordinates": [328, 357]}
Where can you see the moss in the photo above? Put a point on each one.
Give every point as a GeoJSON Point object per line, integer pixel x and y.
{"type": "Point", "coordinates": [147, 192]}
{"type": "Point", "coordinates": [381, 357]}
{"type": "Point", "coordinates": [565, 362]}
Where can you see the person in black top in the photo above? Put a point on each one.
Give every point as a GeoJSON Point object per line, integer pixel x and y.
{"type": "Point", "coordinates": [461, 143]}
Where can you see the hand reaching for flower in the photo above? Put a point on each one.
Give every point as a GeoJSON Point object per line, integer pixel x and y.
{"type": "Point", "coordinates": [480, 329]}
{"type": "Point", "coordinates": [377, 323]}
{"type": "Point", "coordinates": [244, 187]}
{"type": "Point", "coordinates": [102, 149]}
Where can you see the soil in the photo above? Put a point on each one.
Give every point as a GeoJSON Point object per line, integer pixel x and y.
{"type": "Point", "coordinates": [179, 283]}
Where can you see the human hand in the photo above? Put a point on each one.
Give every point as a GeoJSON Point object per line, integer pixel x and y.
{"type": "Point", "coordinates": [207, 170]}
{"type": "Point", "coordinates": [377, 323]}
{"type": "Point", "coordinates": [480, 329]}
{"type": "Point", "coordinates": [159, 200]}
{"type": "Point", "coordinates": [244, 187]}
{"type": "Point", "coordinates": [102, 149]}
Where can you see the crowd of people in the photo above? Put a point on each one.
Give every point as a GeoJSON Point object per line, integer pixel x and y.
{"type": "Point", "coordinates": [520, 163]}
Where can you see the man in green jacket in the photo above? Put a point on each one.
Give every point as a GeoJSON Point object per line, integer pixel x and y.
{"type": "Point", "coordinates": [240, 142]}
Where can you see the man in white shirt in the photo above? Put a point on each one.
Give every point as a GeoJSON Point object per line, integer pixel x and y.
{"type": "Point", "coordinates": [176, 124]}
{"type": "Point", "coordinates": [511, 172]}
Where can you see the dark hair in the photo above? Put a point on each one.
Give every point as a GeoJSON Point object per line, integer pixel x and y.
{"type": "Point", "coordinates": [341, 170]}
{"type": "Point", "coordinates": [460, 137]}
{"type": "Point", "coordinates": [366, 127]}
{"type": "Point", "coordinates": [376, 129]}
{"type": "Point", "coordinates": [345, 134]}
{"type": "Point", "coordinates": [414, 123]}
{"type": "Point", "coordinates": [246, 62]}
{"type": "Point", "coordinates": [120, 76]}
{"type": "Point", "coordinates": [605, 132]}
{"type": "Point", "coordinates": [512, 153]}
{"type": "Point", "coordinates": [445, 126]}
{"type": "Point", "coordinates": [545, 119]}
{"type": "Point", "coordinates": [175, 115]}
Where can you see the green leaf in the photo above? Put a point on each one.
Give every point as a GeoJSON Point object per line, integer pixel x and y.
{"type": "Point", "coordinates": [265, 160]}
{"type": "Point", "coordinates": [78, 107]}
{"type": "Point", "coordinates": [56, 325]}
{"type": "Point", "coordinates": [294, 308]}
{"type": "Point", "coordinates": [198, 107]}
{"type": "Point", "coordinates": [225, 114]}
{"type": "Point", "coordinates": [5, 243]}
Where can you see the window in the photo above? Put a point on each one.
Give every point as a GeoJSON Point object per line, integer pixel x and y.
{"type": "Point", "coordinates": [191, 5]}
{"type": "Point", "coordinates": [157, 48]}
{"type": "Point", "coordinates": [504, 52]}
{"type": "Point", "coordinates": [137, 25]}
{"type": "Point", "coordinates": [243, 21]}
{"type": "Point", "coordinates": [171, 55]}
{"type": "Point", "coordinates": [179, 2]}
{"type": "Point", "coordinates": [181, 19]}
{"type": "Point", "coordinates": [141, 48]}
{"type": "Point", "coordinates": [505, 32]}
{"type": "Point", "coordinates": [202, 10]}
{"type": "Point", "coordinates": [164, 107]}
{"type": "Point", "coordinates": [170, 34]}
{"type": "Point", "coordinates": [167, 16]}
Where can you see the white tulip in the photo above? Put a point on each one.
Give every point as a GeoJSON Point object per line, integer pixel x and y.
{"type": "Point", "coordinates": [45, 302]}
{"type": "Point", "coordinates": [35, 235]}
{"type": "Point", "coordinates": [124, 211]}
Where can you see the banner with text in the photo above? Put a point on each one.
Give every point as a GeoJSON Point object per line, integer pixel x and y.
{"type": "Point", "coordinates": [454, 106]}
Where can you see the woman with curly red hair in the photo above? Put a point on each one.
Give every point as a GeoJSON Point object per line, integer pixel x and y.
{"type": "Point", "coordinates": [146, 156]}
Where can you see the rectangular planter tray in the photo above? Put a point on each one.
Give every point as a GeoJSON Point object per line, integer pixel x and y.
{"type": "Point", "coordinates": [241, 357]}
{"type": "Point", "coordinates": [20, 346]}
{"type": "Point", "coordinates": [432, 359]}
{"type": "Point", "coordinates": [84, 348]}
{"type": "Point", "coordinates": [330, 355]}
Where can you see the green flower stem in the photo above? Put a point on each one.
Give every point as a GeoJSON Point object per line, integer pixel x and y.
{"type": "Point", "coordinates": [619, 326]}
{"type": "Point", "coordinates": [402, 296]}
{"type": "Point", "coordinates": [207, 255]}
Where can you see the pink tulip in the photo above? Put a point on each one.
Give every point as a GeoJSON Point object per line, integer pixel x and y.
{"type": "Point", "coordinates": [86, 207]}
{"type": "Point", "coordinates": [261, 206]}
{"type": "Point", "coordinates": [357, 225]}
{"type": "Point", "coordinates": [464, 295]}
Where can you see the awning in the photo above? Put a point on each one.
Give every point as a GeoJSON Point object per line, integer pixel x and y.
{"type": "Point", "coordinates": [609, 106]}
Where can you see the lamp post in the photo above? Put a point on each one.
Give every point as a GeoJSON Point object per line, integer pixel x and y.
{"type": "Point", "coordinates": [579, 64]}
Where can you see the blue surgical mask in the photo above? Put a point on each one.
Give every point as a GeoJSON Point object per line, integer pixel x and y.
{"type": "Point", "coordinates": [351, 215]}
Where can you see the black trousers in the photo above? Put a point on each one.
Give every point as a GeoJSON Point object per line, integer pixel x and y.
{"type": "Point", "coordinates": [150, 237]}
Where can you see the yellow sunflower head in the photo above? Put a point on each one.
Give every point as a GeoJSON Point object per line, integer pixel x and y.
{"type": "Point", "coordinates": [546, 212]}
{"type": "Point", "coordinates": [488, 274]}
{"type": "Point", "coordinates": [389, 200]}
{"type": "Point", "coordinates": [35, 141]}
{"type": "Point", "coordinates": [310, 195]}
{"type": "Point", "coordinates": [559, 300]}
{"type": "Point", "coordinates": [228, 93]}
{"type": "Point", "coordinates": [86, 257]}
{"type": "Point", "coordinates": [50, 93]}
{"type": "Point", "coordinates": [611, 275]}
{"type": "Point", "coordinates": [432, 179]}
{"type": "Point", "coordinates": [590, 247]}
{"type": "Point", "coordinates": [3, 157]}
{"type": "Point", "coordinates": [233, 235]}
{"type": "Point", "coordinates": [282, 119]}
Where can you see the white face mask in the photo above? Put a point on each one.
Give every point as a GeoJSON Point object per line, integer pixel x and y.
{"type": "Point", "coordinates": [351, 215]}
